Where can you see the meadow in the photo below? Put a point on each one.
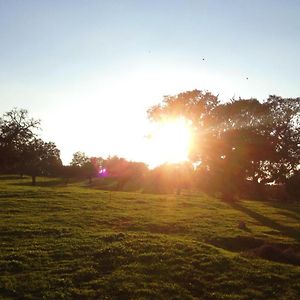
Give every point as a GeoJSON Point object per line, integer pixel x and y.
{"type": "Point", "coordinates": [71, 241]}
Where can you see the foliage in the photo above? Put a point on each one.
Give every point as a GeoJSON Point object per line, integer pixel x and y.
{"type": "Point", "coordinates": [16, 130]}
{"type": "Point", "coordinates": [21, 150]}
{"type": "Point", "coordinates": [240, 141]}
{"type": "Point", "coordinates": [127, 173]}
{"type": "Point", "coordinates": [84, 166]}
{"type": "Point", "coordinates": [39, 158]}
{"type": "Point", "coordinates": [195, 105]}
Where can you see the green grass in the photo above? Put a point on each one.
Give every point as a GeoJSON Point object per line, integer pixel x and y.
{"type": "Point", "coordinates": [73, 242]}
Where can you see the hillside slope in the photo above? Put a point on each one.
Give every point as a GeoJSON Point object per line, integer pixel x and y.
{"type": "Point", "coordinates": [72, 242]}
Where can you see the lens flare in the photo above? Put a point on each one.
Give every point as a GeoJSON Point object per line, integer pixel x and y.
{"type": "Point", "coordinates": [103, 172]}
{"type": "Point", "coordinates": [169, 142]}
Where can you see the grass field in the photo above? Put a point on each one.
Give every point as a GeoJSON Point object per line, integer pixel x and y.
{"type": "Point", "coordinates": [73, 242]}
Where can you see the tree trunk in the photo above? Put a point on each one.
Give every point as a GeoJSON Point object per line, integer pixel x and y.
{"type": "Point", "coordinates": [33, 177]}
{"type": "Point", "coordinates": [258, 190]}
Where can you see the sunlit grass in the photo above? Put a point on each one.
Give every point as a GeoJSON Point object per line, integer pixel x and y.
{"type": "Point", "coordinates": [75, 242]}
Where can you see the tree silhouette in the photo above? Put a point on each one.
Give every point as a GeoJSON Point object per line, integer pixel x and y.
{"type": "Point", "coordinates": [16, 130]}
{"type": "Point", "coordinates": [240, 141]}
{"type": "Point", "coordinates": [39, 158]}
{"type": "Point", "coordinates": [84, 166]}
{"type": "Point", "coordinates": [21, 151]}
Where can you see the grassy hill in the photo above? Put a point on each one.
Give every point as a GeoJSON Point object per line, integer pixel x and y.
{"type": "Point", "coordinates": [62, 242]}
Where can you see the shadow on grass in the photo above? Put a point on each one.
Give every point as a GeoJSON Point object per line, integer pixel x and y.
{"type": "Point", "coordinates": [49, 183]}
{"type": "Point", "coordinates": [12, 177]}
{"type": "Point", "coordinates": [237, 244]}
{"type": "Point", "coordinates": [290, 215]}
{"type": "Point", "coordinates": [285, 230]}
{"type": "Point", "coordinates": [288, 209]}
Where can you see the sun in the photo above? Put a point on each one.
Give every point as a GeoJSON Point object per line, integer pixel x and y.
{"type": "Point", "coordinates": [169, 142]}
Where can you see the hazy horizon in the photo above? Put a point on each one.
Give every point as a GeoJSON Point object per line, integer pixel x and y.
{"type": "Point", "coordinates": [91, 69]}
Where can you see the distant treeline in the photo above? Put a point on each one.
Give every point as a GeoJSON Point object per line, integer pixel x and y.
{"type": "Point", "coordinates": [241, 148]}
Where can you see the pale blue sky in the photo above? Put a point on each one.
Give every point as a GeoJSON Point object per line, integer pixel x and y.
{"type": "Point", "coordinates": [90, 69]}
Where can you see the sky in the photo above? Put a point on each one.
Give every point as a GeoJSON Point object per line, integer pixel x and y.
{"type": "Point", "coordinates": [91, 69]}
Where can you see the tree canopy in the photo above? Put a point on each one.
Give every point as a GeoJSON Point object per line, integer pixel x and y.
{"type": "Point", "coordinates": [21, 150]}
{"type": "Point", "coordinates": [240, 141]}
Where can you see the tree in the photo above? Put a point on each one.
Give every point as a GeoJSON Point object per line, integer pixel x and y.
{"type": "Point", "coordinates": [84, 166]}
{"type": "Point", "coordinates": [241, 140]}
{"type": "Point", "coordinates": [16, 130]}
{"type": "Point", "coordinates": [20, 148]}
{"type": "Point", "coordinates": [126, 172]}
{"type": "Point", "coordinates": [195, 105]}
{"type": "Point", "coordinates": [285, 128]}
{"type": "Point", "coordinates": [79, 159]}
{"type": "Point", "coordinates": [39, 158]}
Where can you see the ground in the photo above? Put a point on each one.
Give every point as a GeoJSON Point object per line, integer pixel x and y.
{"type": "Point", "coordinates": [74, 242]}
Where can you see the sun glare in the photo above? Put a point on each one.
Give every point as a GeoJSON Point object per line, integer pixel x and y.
{"type": "Point", "coordinates": [169, 142]}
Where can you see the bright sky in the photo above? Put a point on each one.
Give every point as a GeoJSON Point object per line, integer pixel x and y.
{"type": "Point", "coordinates": [90, 69]}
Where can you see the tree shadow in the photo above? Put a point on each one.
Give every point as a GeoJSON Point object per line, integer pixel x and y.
{"type": "Point", "coordinates": [290, 215]}
{"type": "Point", "coordinates": [291, 210]}
{"type": "Point", "coordinates": [50, 183]}
{"type": "Point", "coordinates": [12, 177]}
{"type": "Point", "coordinates": [285, 230]}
